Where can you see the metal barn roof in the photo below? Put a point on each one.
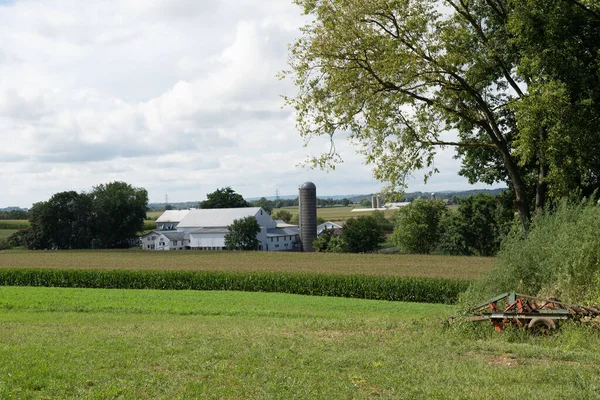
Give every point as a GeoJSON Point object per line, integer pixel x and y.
{"type": "Point", "coordinates": [173, 215]}
{"type": "Point", "coordinates": [216, 217]}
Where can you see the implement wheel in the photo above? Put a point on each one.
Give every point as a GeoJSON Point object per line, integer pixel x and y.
{"type": "Point", "coordinates": [542, 326]}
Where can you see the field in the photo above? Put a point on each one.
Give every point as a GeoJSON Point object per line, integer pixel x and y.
{"type": "Point", "coordinates": [88, 343]}
{"type": "Point", "coordinates": [336, 213]}
{"type": "Point", "coordinates": [370, 264]}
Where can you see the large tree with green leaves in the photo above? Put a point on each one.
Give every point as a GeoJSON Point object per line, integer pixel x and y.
{"type": "Point", "coordinates": [224, 198]}
{"type": "Point", "coordinates": [119, 213]}
{"type": "Point", "coordinates": [242, 234]}
{"type": "Point", "coordinates": [419, 226]}
{"type": "Point", "coordinates": [399, 75]}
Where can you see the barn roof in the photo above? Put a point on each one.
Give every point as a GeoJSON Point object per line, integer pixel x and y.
{"type": "Point", "coordinates": [216, 217]}
{"type": "Point", "coordinates": [172, 215]}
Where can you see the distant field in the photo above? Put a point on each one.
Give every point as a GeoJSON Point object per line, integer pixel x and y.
{"type": "Point", "coordinates": [149, 344]}
{"type": "Point", "coordinates": [5, 233]}
{"type": "Point", "coordinates": [336, 213]}
{"type": "Point", "coordinates": [371, 264]}
{"type": "Point", "coordinates": [14, 223]}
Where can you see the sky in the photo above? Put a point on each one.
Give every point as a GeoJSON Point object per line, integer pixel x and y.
{"type": "Point", "coordinates": [179, 97]}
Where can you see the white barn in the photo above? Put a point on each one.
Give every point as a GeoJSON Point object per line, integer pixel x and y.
{"type": "Point", "coordinates": [205, 229]}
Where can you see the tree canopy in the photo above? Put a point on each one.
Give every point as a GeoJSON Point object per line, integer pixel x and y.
{"type": "Point", "coordinates": [224, 198]}
{"type": "Point", "coordinates": [110, 216]}
{"type": "Point", "coordinates": [514, 85]}
{"type": "Point", "coordinates": [241, 234]}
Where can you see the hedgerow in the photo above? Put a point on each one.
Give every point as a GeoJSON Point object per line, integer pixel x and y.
{"type": "Point", "coordinates": [425, 290]}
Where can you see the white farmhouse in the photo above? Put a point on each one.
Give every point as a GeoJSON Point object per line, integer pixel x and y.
{"type": "Point", "coordinates": [165, 240]}
{"type": "Point", "coordinates": [205, 229]}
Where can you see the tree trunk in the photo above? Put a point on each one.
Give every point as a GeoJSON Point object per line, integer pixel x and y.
{"type": "Point", "coordinates": [521, 202]}
{"type": "Point", "coordinates": [542, 186]}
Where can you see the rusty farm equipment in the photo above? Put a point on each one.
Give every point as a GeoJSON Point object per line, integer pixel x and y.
{"type": "Point", "coordinates": [534, 313]}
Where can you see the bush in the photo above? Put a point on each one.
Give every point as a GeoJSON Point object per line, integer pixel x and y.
{"type": "Point", "coordinates": [5, 244]}
{"type": "Point", "coordinates": [560, 258]}
{"type": "Point", "coordinates": [362, 234]}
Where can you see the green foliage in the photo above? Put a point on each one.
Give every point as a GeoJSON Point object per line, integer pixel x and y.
{"type": "Point", "coordinates": [424, 290]}
{"type": "Point", "coordinates": [329, 242]}
{"type": "Point", "coordinates": [265, 204]}
{"type": "Point", "coordinates": [560, 258]}
{"type": "Point", "coordinates": [14, 214]}
{"type": "Point", "coordinates": [5, 244]}
{"type": "Point", "coordinates": [108, 217]}
{"type": "Point", "coordinates": [362, 234]}
{"type": "Point", "coordinates": [477, 227]}
{"type": "Point", "coordinates": [283, 215]}
{"type": "Point", "coordinates": [224, 198]}
{"type": "Point", "coordinates": [518, 80]}
{"type": "Point", "coordinates": [242, 234]}
{"type": "Point", "coordinates": [419, 226]}
{"type": "Point", "coordinates": [119, 214]}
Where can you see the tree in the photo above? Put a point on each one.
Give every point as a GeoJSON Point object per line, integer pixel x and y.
{"type": "Point", "coordinates": [477, 227]}
{"type": "Point", "coordinates": [62, 222]}
{"type": "Point", "coordinates": [418, 226]}
{"type": "Point", "coordinates": [362, 234]}
{"type": "Point", "coordinates": [400, 75]}
{"type": "Point", "coordinates": [283, 215]}
{"type": "Point", "coordinates": [242, 234]}
{"type": "Point", "coordinates": [263, 203]}
{"type": "Point", "coordinates": [224, 198]}
{"type": "Point", "coordinates": [119, 213]}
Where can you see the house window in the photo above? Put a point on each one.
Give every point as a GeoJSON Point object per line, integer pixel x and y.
{"type": "Point", "coordinates": [278, 238]}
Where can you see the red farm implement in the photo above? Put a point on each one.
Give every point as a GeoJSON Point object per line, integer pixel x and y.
{"type": "Point", "coordinates": [537, 314]}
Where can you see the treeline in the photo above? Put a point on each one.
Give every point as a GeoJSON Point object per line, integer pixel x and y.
{"type": "Point", "coordinates": [476, 227]}
{"type": "Point", "coordinates": [110, 216]}
{"type": "Point", "coordinates": [14, 214]}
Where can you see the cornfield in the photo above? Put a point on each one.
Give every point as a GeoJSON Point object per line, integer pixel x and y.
{"type": "Point", "coordinates": [414, 289]}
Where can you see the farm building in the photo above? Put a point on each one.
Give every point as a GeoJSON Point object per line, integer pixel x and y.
{"type": "Point", "coordinates": [205, 229]}
{"type": "Point", "coordinates": [335, 226]}
{"type": "Point", "coordinates": [170, 219]}
{"type": "Point", "coordinates": [165, 240]}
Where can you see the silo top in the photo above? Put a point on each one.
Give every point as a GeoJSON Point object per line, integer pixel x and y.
{"type": "Point", "coordinates": [308, 185]}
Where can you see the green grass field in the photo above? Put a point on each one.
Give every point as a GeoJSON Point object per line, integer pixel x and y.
{"type": "Point", "coordinates": [370, 264]}
{"type": "Point", "coordinates": [99, 344]}
{"type": "Point", "coordinates": [337, 213]}
{"type": "Point", "coordinates": [5, 233]}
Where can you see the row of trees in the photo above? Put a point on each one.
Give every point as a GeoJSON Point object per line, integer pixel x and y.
{"type": "Point", "coordinates": [476, 228]}
{"type": "Point", "coordinates": [110, 216]}
{"type": "Point", "coordinates": [14, 214]}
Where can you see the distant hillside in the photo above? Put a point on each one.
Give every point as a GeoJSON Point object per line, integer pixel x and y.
{"type": "Point", "coordinates": [354, 198]}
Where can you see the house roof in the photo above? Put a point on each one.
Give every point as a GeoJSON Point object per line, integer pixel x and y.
{"type": "Point", "coordinates": [282, 224]}
{"type": "Point", "coordinates": [173, 215]}
{"type": "Point", "coordinates": [174, 235]}
{"type": "Point", "coordinates": [282, 232]}
{"type": "Point", "coordinates": [211, 230]}
{"type": "Point", "coordinates": [216, 217]}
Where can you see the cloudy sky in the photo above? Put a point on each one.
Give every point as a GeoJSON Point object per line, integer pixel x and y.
{"type": "Point", "coordinates": [177, 96]}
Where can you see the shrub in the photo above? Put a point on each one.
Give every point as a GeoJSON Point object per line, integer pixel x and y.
{"type": "Point", "coordinates": [560, 258]}
{"type": "Point", "coordinates": [5, 244]}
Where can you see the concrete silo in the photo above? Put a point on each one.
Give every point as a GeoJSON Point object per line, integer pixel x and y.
{"type": "Point", "coordinates": [307, 199]}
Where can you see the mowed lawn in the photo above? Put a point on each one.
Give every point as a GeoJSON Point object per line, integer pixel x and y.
{"type": "Point", "coordinates": [371, 264]}
{"type": "Point", "coordinates": [99, 344]}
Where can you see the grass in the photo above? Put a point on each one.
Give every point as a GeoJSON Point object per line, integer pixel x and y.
{"type": "Point", "coordinates": [88, 343]}
{"type": "Point", "coordinates": [14, 223]}
{"type": "Point", "coordinates": [5, 233]}
{"type": "Point", "coordinates": [368, 264]}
